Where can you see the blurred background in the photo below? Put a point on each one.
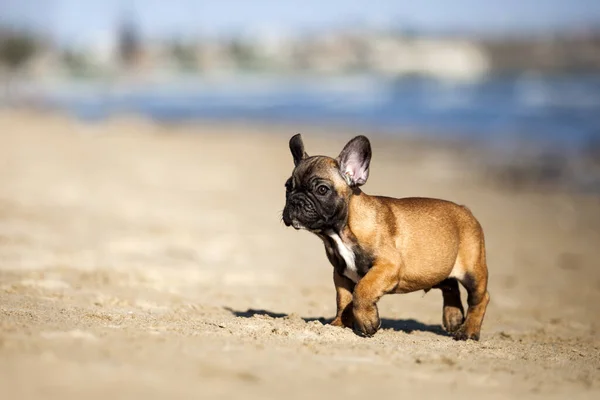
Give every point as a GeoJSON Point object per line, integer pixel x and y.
{"type": "Point", "coordinates": [503, 74]}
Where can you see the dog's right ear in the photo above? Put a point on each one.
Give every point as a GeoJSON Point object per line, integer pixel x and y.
{"type": "Point", "coordinates": [354, 161]}
{"type": "Point", "coordinates": [297, 149]}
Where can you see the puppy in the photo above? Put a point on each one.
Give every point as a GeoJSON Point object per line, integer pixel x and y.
{"type": "Point", "coordinates": [380, 245]}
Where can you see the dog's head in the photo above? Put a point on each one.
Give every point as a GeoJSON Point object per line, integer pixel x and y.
{"type": "Point", "coordinates": [318, 192]}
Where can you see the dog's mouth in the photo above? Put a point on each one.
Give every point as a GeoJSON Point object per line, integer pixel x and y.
{"type": "Point", "coordinates": [292, 222]}
{"type": "Point", "coordinates": [297, 225]}
{"type": "Point", "coordinates": [290, 218]}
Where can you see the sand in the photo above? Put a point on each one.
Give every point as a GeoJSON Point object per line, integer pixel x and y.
{"type": "Point", "coordinates": [140, 260]}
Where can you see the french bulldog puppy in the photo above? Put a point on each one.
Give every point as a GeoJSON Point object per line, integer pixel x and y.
{"type": "Point", "coordinates": [381, 245]}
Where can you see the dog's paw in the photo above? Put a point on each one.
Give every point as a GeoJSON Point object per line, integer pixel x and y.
{"type": "Point", "coordinates": [346, 319]}
{"type": "Point", "coordinates": [463, 334]}
{"type": "Point", "coordinates": [453, 319]}
{"type": "Point", "coordinates": [366, 320]}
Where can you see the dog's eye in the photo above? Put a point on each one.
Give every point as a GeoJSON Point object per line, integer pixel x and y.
{"type": "Point", "coordinates": [322, 190]}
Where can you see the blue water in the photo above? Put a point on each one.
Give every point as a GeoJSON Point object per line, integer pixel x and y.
{"type": "Point", "coordinates": [559, 110]}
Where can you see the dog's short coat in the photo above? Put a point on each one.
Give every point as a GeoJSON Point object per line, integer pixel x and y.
{"type": "Point", "coordinates": [380, 245]}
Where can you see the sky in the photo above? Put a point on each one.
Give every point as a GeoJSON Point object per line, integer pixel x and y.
{"type": "Point", "coordinates": [81, 20]}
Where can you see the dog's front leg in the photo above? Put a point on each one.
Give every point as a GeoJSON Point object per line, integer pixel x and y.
{"type": "Point", "coordinates": [381, 279]}
{"type": "Point", "coordinates": [343, 289]}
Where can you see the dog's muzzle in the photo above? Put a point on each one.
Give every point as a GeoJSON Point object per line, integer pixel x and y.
{"type": "Point", "coordinates": [289, 221]}
{"type": "Point", "coordinates": [298, 212]}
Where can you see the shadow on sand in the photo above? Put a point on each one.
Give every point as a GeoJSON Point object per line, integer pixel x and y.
{"type": "Point", "coordinates": [399, 325]}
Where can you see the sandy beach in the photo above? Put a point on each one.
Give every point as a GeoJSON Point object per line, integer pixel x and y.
{"type": "Point", "coordinates": [140, 260]}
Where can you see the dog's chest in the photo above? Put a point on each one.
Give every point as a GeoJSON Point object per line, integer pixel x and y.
{"type": "Point", "coordinates": [347, 259]}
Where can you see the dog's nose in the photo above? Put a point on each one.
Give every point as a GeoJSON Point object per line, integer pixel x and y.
{"type": "Point", "coordinates": [286, 218]}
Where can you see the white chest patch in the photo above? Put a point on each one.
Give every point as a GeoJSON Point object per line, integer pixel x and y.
{"type": "Point", "coordinates": [348, 255]}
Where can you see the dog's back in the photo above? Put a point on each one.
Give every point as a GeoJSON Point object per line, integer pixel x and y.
{"type": "Point", "coordinates": [433, 239]}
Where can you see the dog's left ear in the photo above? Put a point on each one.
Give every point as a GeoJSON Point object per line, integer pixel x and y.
{"type": "Point", "coordinates": [297, 149]}
{"type": "Point", "coordinates": [354, 161]}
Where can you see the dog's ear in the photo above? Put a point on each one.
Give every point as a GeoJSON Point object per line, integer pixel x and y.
{"type": "Point", "coordinates": [354, 161]}
{"type": "Point", "coordinates": [297, 149]}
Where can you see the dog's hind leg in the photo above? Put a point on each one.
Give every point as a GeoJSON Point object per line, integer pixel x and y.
{"type": "Point", "coordinates": [453, 313]}
{"type": "Point", "coordinates": [475, 280]}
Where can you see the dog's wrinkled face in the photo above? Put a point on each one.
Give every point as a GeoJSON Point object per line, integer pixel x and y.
{"type": "Point", "coordinates": [316, 195]}
{"type": "Point", "coordinates": [318, 192]}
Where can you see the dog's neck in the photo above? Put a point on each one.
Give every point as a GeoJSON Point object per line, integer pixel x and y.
{"type": "Point", "coordinates": [342, 229]}
{"type": "Point", "coordinates": [342, 241]}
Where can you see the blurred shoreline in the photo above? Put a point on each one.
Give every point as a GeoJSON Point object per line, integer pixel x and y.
{"type": "Point", "coordinates": [520, 165]}
{"type": "Point", "coordinates": [554, 112]}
